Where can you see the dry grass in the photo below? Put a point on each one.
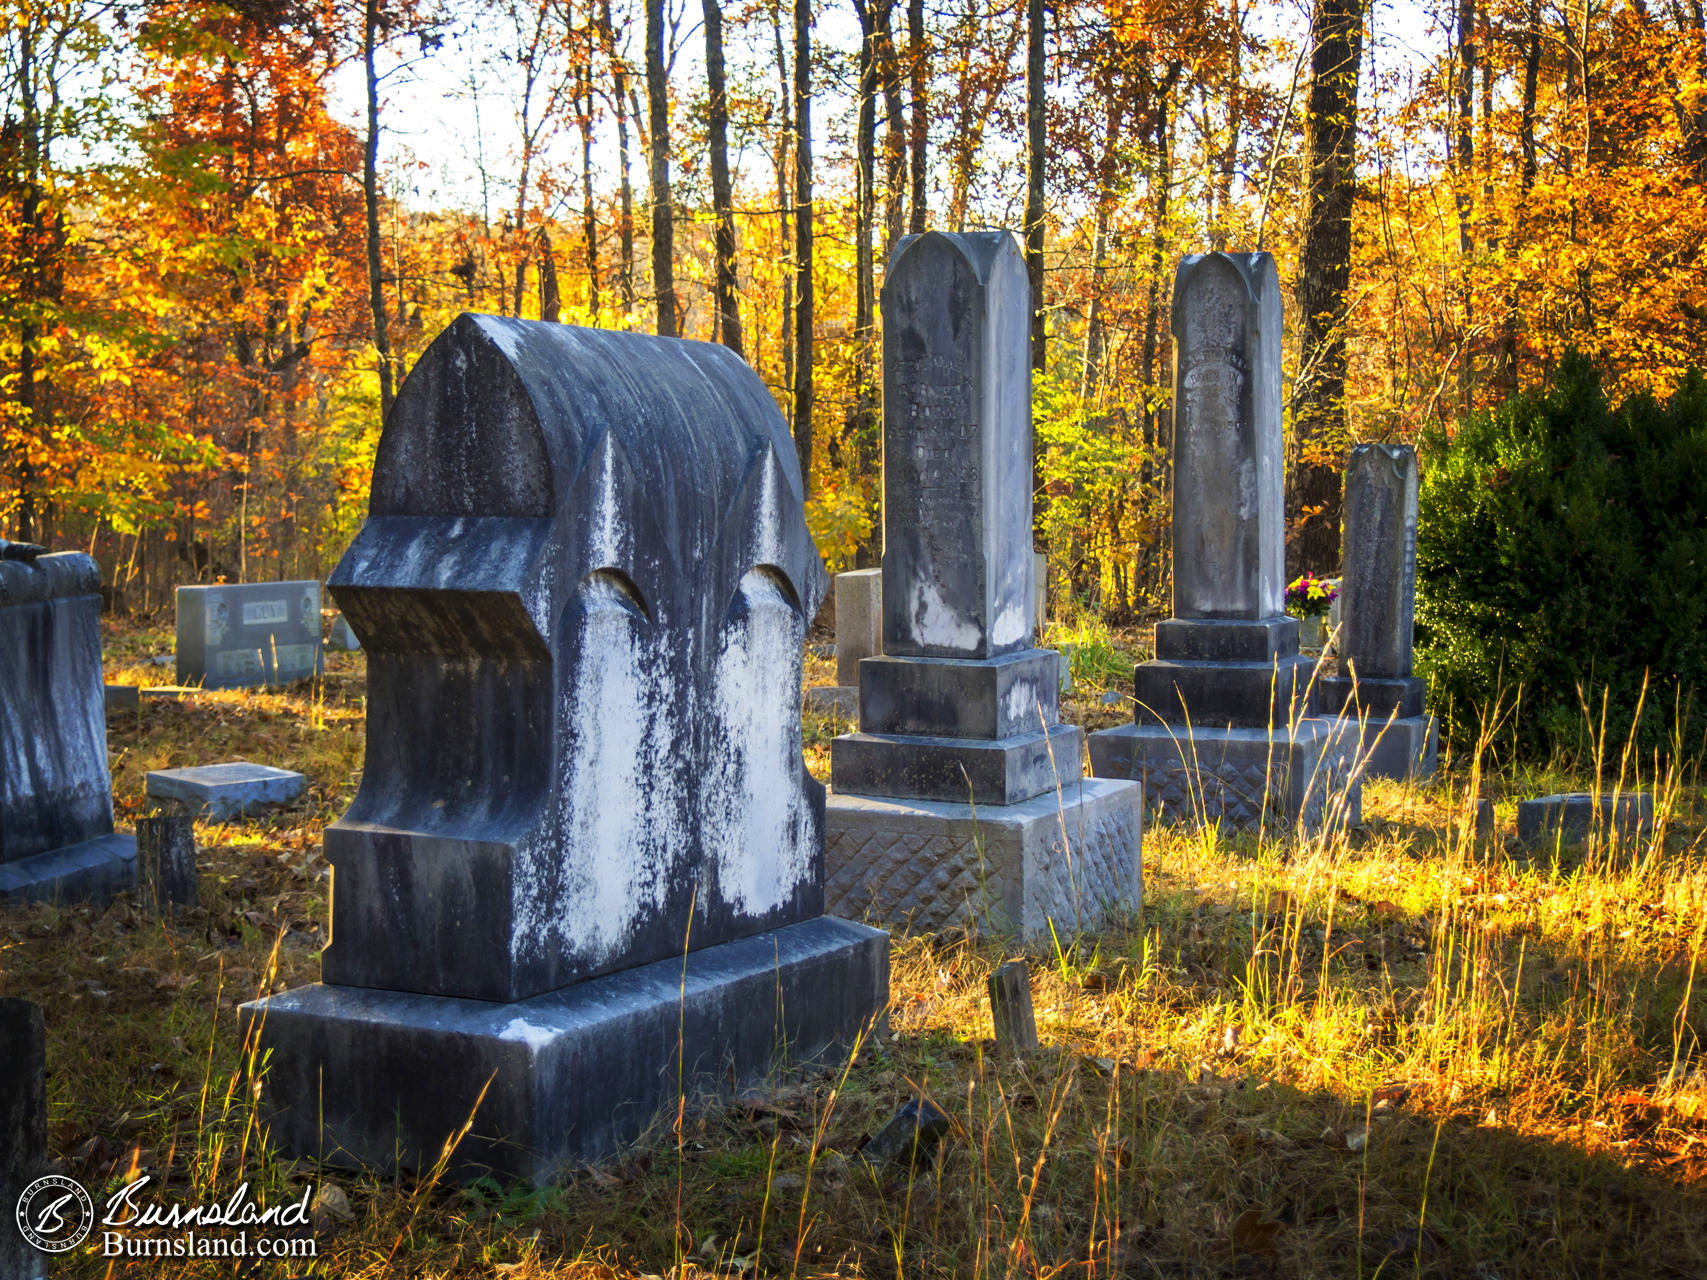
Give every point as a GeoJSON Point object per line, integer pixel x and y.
{"type": "Point", "coordinates": [1389, 1054]}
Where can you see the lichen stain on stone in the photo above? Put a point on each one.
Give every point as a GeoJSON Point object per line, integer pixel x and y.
{"type": "Point", "coordinates": [1010, 626]}
{"type": "Point", "coordinates": [754, 819]}
{"type": "Point", "coordinates": [937, 623]}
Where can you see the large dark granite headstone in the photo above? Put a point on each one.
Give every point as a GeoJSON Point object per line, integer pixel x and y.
{"type": "Point", "coordinates": [56, 794]}
{"type": "Point", "coordinates": [1377, 607]}
{"type": "Point", "coordinates": [583, 589]}
{"type": "Point", "coordinates": [1220, 731]}
{"type": "Point", "coordinates": [960, 709]}
{"type": "Point", "coordinates": [23, 1128]}
{"type": "Point", "coordinates": [253, 633]}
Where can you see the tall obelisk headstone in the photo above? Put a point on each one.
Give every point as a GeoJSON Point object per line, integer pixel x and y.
{"type": "Point", "coordinates": [947, 804]}
{"type": "Point", "coordinates": [1220, 731]}
{"type": "Point", "coordinates": [1377, 610]}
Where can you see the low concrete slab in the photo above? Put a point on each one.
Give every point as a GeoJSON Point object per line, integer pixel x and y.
{"type": "Point", "coordinates": [223, 791]}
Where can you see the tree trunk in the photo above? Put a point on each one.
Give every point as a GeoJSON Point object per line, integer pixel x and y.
{"type": "Point", "coordinates": [916, 54]}
{"type": "Point", "coordinates": [1034, 164]}
{"type": "Point", "coordinates": [550, 297]}
{"type": "Point", "coordinates": [370, 193]}
{"type": "Point", "coordinates": [589, 210]}
{"type": "Point", "coordinates": [894, 135]}
{"type": "Point", "coordinates": [802, 238]}
{"type": "Point", "coordinates": [1095, 325]}
{"type": "Point", "coordinates": [865, 214]}
{"type": "Point", "coordinates": [1228, 161]}
{"type": "Point", "coordinates": [619, 80]}
{"type": "Point", "coordinates": [728, 308]}
{"type": "Point", "coordinates": [1319, 411]}
{"type": "Point", "coordinates": [658, 150]}
{"type": "Point", "coordinates": [785, 213]}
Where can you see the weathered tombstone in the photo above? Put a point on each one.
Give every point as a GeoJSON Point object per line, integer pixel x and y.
{"type": "Point", "coordinates": [585, 866]}
{"type": "Point", "coordinates": [56, 795]}
{"type": "Point", "coordinates": [166, 860]}
{"type": "Point", "coordinates": [1010, 1009]}
{"type": "Point", "coordinates": [23, 1128]}
{"type": "Point", "coordinates": [962, 796]}
{"type": "Point", "coordinates": [1375, 689]}
{"type": "Point", "coordinates": [342, 639]}
{"type": "Point", "coordinates": [220, 792]}
{"type": "Point", "coordinates": [256, 633]}
{"type": "Point", "coordinates": [859, 622]}
{"type": "Point", "coordinates": [1040, 577]}
{"type": "Point", "coordinates": [1220, 730]}
{"type": "Point", "coordinates": [1572, 816]}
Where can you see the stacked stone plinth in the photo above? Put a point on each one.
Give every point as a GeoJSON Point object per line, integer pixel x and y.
{"type": "Point", "coordinates": [961, 797]}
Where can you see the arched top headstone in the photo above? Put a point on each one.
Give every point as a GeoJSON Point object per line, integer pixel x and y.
{"type": "Point", "coordinates": [1228, 514]}
{"type": "Point", "coordinates": [957, 562]}
{"type": "Point", "coordinates": [583, 590]}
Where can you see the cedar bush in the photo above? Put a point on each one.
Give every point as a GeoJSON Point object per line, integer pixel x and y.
{"type": "Point", "coordinates": [1562, 549]}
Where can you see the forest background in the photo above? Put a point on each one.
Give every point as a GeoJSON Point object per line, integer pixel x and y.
{"type": "Point", "coordinates": [227, 230]}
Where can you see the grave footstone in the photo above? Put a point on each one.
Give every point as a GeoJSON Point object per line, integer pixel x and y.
{"type": "Point", "coordinates": [23, 1128]}
{"type": "Point", "coordinates": [962, 797]}
{"type": "Point", "coordinates": [56, 794]}
{"type": "Point", "coordinates": [1571, 817]}
{"type": "Point", "coordinates": [1220, 731]}
{"type": "Point", "coordinates": [220, 792]}
{"type": "Point", "coordinates": [122, 697]}
{"type": "Point", "coordinates": [859, 622]}
{"type": "Point", "coordinates": [585, 866]}
{"type": "Point", "coordinates": [342, 639]}
{"type": "Point", "coordinates": [166, 860]}
{"type": "Point", "coordinates": [1374, 689]}
{"type": "Point", "coordinates": [237, 636]}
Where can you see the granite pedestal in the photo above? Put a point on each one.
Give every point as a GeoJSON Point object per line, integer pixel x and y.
{"type": "Point", "coordinates": [56, 795]}
{"type": "Point", "coordinates": [1072, 861]}
{"type": "Point", "coordinates": [377, 1078]}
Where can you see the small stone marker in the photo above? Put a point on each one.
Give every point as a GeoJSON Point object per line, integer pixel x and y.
{"type": "Point", "coordinates": [1485, 819]}
{"type": "Point", "coordinates": [911, 1136]}
{"type": "Point", "coordinates": [833, 700]}
{"type": "Point", "coordinates": [1375, 688]}
{"type": "Point", "coordinates": [1570, 817]}
{"type": "Point", "coordinates": [23, 1128]}
{"type": "Point", "coordinates": [1040, 577]}
{"type": "Point", "coordinates": [859, 622]}
{"type": "Point", "coordinates": [122, 697]}
{"type": "Point", "coordinates": [1010, 1009]}
{"type": "Point", "coordinates": [220, 792]}
{"type": "Point", "coordinates": [1221, 730]}
{"type": "Point", "coordinates": [584, 871]}
{"type": "Point", "coordinates": [948, 803]}
{"type": "Point", "coordinates": [256, 633]}
{"type": "Point", "coordinates": [56, 795]}
{"type": "Point", "coordinates": [166, 860]}
{"type": "Point", "coordinates": [342, 638]}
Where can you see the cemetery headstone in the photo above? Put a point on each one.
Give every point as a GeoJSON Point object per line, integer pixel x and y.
{"type": "Point", "coordinates": [1010, 1009]}
{"type": "Point", "coordinates": [122, 697]}
{"type": "Point", "coordinates": [166, 860]}
{"type": "Point", "coordinates": [1374, 689]}
{"type": "Point", "coordinates": [56, 795]}
{"type": "Point", "coordinates": [859, 622]}
{"type": "Point", "coordinates": [962, 796]}
{"type": "Point", "coordinates": [23, 1128]}
{"type": "Point", "coordinates": [1571, 817]}
{"type": "Point", "coordinates": [342, 639]}
{"type": "Point", "coordinates": [585, 564]}
{"type": "Point", "coordinates": [220, 792]}
{"type": "Point", "coordinates": [1220, 730]}
{"type": "Point", "coordinates": [237, 636]}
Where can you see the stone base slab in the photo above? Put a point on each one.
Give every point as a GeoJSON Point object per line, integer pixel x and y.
{"type": "Point", "coordinates": [370, 1078]}
{"type": "Point", "coordinates": [833, 700]}
{"type": "Point", "coordinates": [93, 871]}
{"type": "Point", "coordinates": [218, 792]}
{"type": "Point", "coordinates": [1400, 748]}
{"type": "Point", "coordinates": [980, 698]}
{"type": "Point", "coordinates": [1074, 858]}
{"type": "Point", "coordinates": [1242, 778]}
{"type": "Point", "coordinates": [1003, 771]}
